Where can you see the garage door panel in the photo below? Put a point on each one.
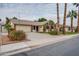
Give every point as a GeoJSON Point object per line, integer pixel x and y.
{"type": "Point", "coordinates": [24, 28]}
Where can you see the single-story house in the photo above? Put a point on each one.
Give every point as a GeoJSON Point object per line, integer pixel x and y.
{"type": "Point", "coordinates": [28, 26]}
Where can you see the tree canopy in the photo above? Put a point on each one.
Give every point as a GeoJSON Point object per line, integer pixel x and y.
{"type": "Point", "coordinates": [7, 20]}
{"type": "Point", "coordinates": [42, 19]}
{"type": "Point", "coordinates": [51, 22]}
{"type": "Point", "coordinates": [7, 26]}
{"type": "Point", "coordinates": [72, 14]}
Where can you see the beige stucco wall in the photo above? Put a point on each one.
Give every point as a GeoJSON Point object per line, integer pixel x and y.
{"type": "Point", "coordinates": [40, 28]}
{"type": "Point", "coordinates": [23, 28]}
{"type": "Point", "coordinates": [67, 29]}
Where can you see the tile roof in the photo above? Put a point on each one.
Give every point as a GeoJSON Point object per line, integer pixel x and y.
{"type": "Point", "coordinates": [26, 22]}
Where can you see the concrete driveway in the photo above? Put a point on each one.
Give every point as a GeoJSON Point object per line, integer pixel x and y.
{"type": "Point", "coordinates": [37, 40]}
{"type": "Point", "coordinates": [40, 39]}
{"type": "Point", "coordinates": [63, 48]}
{"type": "Point", "coordinates": [42, 36]}
{"type": "Point", "coordinates": [38, 36]}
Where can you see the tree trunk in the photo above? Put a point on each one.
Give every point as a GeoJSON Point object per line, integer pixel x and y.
{"type": "Point", "coordinates": [78, 21]}
{"type": "Point", "coordinates": [57, 18]}
{"type": "Point", "coordinates": [64, 21]}
{"type": "Point", "coordinates": [72, 24]}
{"type": "Point", "coordinates": [49, 27]}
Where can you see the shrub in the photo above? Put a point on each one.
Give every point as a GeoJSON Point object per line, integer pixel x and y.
{"type": "Point", "coordinates": [17, 35]}
{"type": "Point", "coordinates": [53, 32]}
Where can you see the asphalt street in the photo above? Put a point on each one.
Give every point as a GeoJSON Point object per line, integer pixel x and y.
{"type": "Point", "coordinates": [65, 48]}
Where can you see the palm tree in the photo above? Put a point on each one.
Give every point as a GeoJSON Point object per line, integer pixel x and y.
{"type": "Point", "coordinates": [7, 20]}
{"type": "Point", "coordinates": [57, 18]}
{"type": "Point", "coordinates": [77, 5]}
{"type": "Point", "coordinates": [72, 14]}
{"type": "Point", "coordinates": [8, 25]}
{"type": "Point", "coordinates": [64, 21]}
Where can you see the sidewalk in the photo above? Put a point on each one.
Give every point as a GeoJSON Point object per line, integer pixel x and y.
{"type": "Point", "coordinates": [29, 45]}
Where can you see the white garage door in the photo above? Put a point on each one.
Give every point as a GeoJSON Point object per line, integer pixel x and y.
{"type": "Point", "coordinates": [24, 28]}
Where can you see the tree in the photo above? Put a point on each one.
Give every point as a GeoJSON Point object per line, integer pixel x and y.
{"type": "Point", "coordinates": [57, 27]}
{"type": "Point", "coordinates": [51, 23]}
{"type": "Point", "coordinates": [77, 5]}
{"type": "Point", "coordinates": [72, 14]}
{"type": "Point", "coordinates": [7, 20]}
{"type": "Point", "coordinates": [64, 21]}
{"type": "Point", "coordinates": [7, 26]}
{"type": "Point", "coordinates": [42, 19]}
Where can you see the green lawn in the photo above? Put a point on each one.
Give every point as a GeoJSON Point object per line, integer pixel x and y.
{"type": "Point", "coordinates": [54, 33]}
{"type": "Point", "coordinates": [71, 33]}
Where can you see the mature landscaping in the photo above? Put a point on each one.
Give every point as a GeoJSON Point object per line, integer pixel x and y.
{"type": "Point", "coordinates": [13, 36]}
{"type": "Point", "coordinates": [72, 14]}
{"type": "Point", "coordinates": [58, 29]}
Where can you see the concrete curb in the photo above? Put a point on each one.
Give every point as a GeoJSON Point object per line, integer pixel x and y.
{"type": "Point", "coordinates": [33, 45]}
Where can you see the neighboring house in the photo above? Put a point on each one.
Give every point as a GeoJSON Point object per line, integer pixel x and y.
{"type": "Point", "coordinates": [28, 26]}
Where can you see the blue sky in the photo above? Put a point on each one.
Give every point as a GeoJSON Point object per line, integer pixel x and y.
{"type": "Point", "coordinates": [33, 11]}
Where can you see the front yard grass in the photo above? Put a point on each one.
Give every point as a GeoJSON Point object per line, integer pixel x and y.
{"type": "Point", "coordinates": [54, 33]}
{"type": "Point", "coordinates": [71, 33]}
{"type": "Point", "coordinates": [51, 33]}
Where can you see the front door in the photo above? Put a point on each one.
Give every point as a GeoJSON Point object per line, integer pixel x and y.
{"type": "Point", "coordinates": [36, 28]}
